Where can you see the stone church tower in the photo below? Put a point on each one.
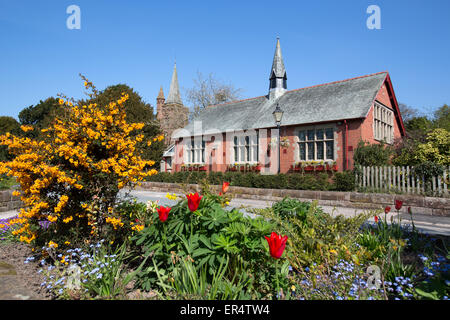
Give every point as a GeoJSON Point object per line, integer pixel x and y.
{"type": "Point", "coordinates": [171, 113]}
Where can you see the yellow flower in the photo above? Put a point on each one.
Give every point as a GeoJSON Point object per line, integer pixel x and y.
{"type": "Point", "coordinates": [171, 196]}
{"type": "Point", "coordinates": [138, 227]}
{"type": "Point", "coordinates": [52, 244]}
{"type": "Point", "coordinates": [26, 128]}
{"type": "Point", "coordinates": [68, 219]}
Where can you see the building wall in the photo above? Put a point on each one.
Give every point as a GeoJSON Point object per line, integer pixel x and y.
{"type": "Point", "coordinates": [347, 134]}
{"type": "Point", "coordinates": [367, 125]}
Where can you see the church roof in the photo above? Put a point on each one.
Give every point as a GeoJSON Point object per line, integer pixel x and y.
{"type": "Point", "coordinates": [278, 69]}
{"type": "Point", "coordinates": [160, 94]}
{"type": "Point", "coordinates": [174, 91]}
{"type": "Point", "coordinates": [346, 99]}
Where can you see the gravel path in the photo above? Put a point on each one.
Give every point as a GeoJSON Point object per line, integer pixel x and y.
{"type": "Point", "coordinates": [19, 280]}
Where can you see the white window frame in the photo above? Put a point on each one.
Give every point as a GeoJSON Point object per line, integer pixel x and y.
{"type": "Point", "coordinates": [195, 150]}
{"type": "Point", "coordinates": [315, 142]}
{"type": "Point", "coordinates": [247, 148]}
{"type": "Point", "coordinates": [383, 123]}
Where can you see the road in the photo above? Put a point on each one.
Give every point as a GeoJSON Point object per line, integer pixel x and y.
{"type": "Point", "coordinates": [425, 223]}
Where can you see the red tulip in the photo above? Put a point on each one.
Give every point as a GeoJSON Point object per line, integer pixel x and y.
{"type": "Point", "coordinates": [376, 219]}
{"type": "Point", "coordinates": [163, 213]}
{"type": "Point", "coordinates": [276, 244]}
{"type": "Point", "coordinates": [193, 201]}
{"type": "Point", "coordinates": [398, 204]}
{"type": "Point", "coordinates": [225, 186]}
{"type": "Point", "coordinates": [409, 210]}
{"type": "Point", "coordinates": [387, 210]}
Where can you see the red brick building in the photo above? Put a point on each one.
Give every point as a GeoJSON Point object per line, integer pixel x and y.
{"type": "Point", "coordinates": [321, 126]}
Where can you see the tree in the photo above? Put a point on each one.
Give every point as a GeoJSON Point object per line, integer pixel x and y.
{"type": "Point", "coordinates": [407, 112]}
{"type": "Point", "coordinates": [41, 115]}
{"type": "Point", "coordinates": [210, 91]}
{"type": "Point", "coordinates": [136, 111]}
{"type": "Point", "coordinates": [442, 117]}
{"type": "Point", "coordinates": [73, 177]}
{"type": "Point", "coordinates": [418, 127]}
{"type": "Point", "coordinates": [8, 124]}
{"type": "Point", "coordinates": [435, 148]}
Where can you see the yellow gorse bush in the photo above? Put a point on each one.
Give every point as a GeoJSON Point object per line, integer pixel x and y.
{"type": "Point", "coordinates": [85, 157]}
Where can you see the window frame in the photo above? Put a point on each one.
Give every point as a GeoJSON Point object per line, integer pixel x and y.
{"type": "Point", "coordinates": [307, 143]}
{"type": "Point", "coordinates": [195, 150]}
{"type": "Point", "coordinates": [249, 150]}
{"type": "Point", "coordinates": [383, 123]}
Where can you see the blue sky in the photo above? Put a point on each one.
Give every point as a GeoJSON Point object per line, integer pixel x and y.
{"type": "Point", "coordinates": [136, 42]}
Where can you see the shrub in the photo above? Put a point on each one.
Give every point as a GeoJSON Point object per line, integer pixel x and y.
{"type": "Point", "coordinates": [294, 181]}
{"type": "Point", "coordinates": [367, 154]}
{"type": "Point", "coordinates": [71, 179]}
{"type": "Point", "coordinates": [344, 181]}
{"type": "Point", "coordinates": [210, 238]}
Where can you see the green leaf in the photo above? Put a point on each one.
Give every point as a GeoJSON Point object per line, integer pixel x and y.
{"type": "Point", "coordinates": [430, 295]}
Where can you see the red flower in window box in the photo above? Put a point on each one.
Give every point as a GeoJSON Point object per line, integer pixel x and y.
{"type": "Point", "coordinates": [202, 168]}
{"type": "Point", "coordinates": [309, 168]}
{"type": "Point", "coordinates": [320, 168]}
{"type": "Point", "coordinates": [258, 168]}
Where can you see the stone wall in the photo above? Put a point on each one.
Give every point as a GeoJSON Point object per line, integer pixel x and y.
{"type": "Point", "coordinates": [172, 117]}
{"type": "Point", "coordinates": [419, 204]}
{"type": "Point", "coordinates": [9, 202]}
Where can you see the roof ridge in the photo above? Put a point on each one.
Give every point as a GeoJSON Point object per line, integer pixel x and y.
{"type": "Point", "coordinates": [234, 101]}
{"type": "Point", "coordinates": [339, 81]}
{"type": "Point", "coordinates": [317, 85]}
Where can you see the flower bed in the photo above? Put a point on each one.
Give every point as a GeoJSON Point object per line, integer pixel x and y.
{"type": "Point", "coordinates": [197, 238]}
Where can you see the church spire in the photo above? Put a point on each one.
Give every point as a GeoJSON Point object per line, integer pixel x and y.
{"type": "Point", "coordinates": [160, 94]}
{"type": "Point", "coordinates": [174, 91]}
{"type": "Point", "coordinates": [278, 78]}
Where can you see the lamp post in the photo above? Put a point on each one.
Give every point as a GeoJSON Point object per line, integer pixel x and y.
{"type": "Point", "coordinates": [278, 115]}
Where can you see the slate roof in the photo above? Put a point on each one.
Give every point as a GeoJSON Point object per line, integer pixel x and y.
{"type": "Point", "coordinates": [346, 99]}
{"type": "Point", "coordinates": [278, 69]}
{"type": "Point", "coordinates": [174, 91]}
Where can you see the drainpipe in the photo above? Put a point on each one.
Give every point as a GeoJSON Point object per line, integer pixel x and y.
{"type": "Point", "coordinates": [346, 146]}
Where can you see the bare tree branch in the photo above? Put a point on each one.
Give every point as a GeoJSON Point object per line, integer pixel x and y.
{"type": "Point", "coordinates": [209, 91]}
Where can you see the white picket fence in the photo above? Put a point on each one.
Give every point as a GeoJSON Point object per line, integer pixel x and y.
{"type": "Point", "coordinates": [402, 179]}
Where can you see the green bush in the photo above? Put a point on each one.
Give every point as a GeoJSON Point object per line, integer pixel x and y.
{"type": "Point", "coordinates": [210, 238]}
{"type": "Point", "coordinates": [344, 181]}
{"type": "Point", "coordinates": [294, 181]}
{"type": "Point", "coordinates": [367, 154]}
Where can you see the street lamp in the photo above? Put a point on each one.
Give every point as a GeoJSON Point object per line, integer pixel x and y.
{"type": "Point", "coordinates": [278, 115]}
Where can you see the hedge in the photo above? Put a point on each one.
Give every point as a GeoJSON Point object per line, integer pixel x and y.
{"type": "Point", "coordinates": [341, 181]}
